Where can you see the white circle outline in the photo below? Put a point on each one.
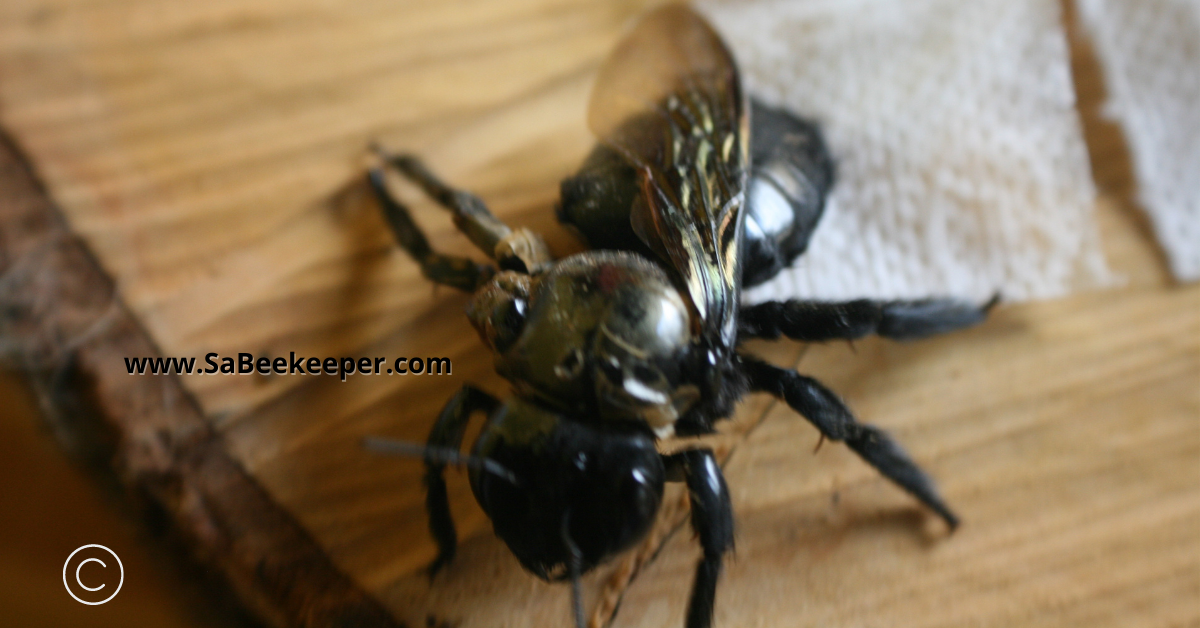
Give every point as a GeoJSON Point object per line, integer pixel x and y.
{"type": "Point", "coordinates": [68, 588]}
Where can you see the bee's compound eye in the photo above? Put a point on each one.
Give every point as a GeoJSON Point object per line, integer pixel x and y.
{"type": "Point", "coordinates": [508, 319]}
{"type": "Point", "coordinates": [514, 313]}
{"type": "Point", "coordinates": [499, 310]}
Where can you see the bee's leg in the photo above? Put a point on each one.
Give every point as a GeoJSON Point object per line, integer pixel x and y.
{"type": "Point", "coordinates": [900, 320]}
{"type": "Point", "coordinates": [712, 519]}
{"type": "Point", "coordinates": [831, 416]}
{"type": "Point", "coordinates": [518, 249]}
{"type": "Point", "coordinates": [448, 432]}
{"type": "Point", "coordinates": [459, 272]}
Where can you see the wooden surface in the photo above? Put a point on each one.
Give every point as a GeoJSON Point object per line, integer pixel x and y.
{"type": "Point", "coordinates": [62, 322]}
{"type": "Point", "coordinates": [207, 153]}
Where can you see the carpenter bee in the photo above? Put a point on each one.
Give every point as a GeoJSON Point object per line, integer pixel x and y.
{"type": "Point", "coordinates": [692, 193]}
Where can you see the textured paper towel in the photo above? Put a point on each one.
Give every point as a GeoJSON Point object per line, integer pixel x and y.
{"type": "Point", "coordinates": [1150, 50]}
{"type": "Point", "coordinates": [962, 168]}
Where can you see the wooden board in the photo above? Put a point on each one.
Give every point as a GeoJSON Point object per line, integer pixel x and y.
{"type": "Point", "coordinates": [66, 327]}
{"type": "Point", "coordinates": [209, 155]}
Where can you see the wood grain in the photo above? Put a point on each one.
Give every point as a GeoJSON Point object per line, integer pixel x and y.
{"type": "Point", "coordinates": [67, 329]}
{"type": "Point", "coordinates": [209, 155]}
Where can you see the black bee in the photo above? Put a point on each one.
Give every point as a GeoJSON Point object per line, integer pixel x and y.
{"type": "Point", "coordinates": [692, 193]}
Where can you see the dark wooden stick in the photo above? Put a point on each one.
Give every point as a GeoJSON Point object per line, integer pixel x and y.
{"type": "Point", "coordinates": [63, 322]}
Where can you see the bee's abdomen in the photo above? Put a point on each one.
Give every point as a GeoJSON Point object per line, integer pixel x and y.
{"type": "Point", "coordinates": [791, 173]}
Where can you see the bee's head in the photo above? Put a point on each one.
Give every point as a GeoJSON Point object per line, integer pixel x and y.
{"type": "Point", "coordinates": [588, 490]}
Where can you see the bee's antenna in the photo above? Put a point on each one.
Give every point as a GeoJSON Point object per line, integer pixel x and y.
{"type": "Point", "coordinates": [442, 455]}
{"type": "Point", "coordinates": [574, 566]}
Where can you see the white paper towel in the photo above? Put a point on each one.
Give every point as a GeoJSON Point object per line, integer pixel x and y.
{"type": "Point", "coordinates": [1150, 51]}
{"type": "Point", "coordinates": [962, 168]}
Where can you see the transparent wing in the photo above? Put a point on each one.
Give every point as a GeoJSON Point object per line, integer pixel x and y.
{"type": "Point", "coordinates": [669, 99]}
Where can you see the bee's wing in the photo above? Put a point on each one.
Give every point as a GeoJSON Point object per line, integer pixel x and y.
{"type": "Point", "coordinates": [669, 99]}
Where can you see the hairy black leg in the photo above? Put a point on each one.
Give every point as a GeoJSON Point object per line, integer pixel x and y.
{"type": "Point", "coordinates": [831, 416]}
{"type": "Point", "coordinates": [517, 249]}
{"type": "Point", "coordinates": [459, 272]}
{"type": "Point", "coordinates": [448, 432]}
{"type": "Point", "coordinates": [470, 213]}
{"type": "Point", "coordinates": [712, 519]}
{"type": "Point", "coordinates": [818, 320]}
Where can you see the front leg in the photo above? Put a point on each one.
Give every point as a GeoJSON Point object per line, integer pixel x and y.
{"type": "Point", "coordinates": [831, 416]}
{"type": "Point", "coordinates": [451, 270]}
{"type": "Point", "coordinates": [815, 321]}
{"type": "Point", "coordinates": [712, 519]}
{"type": "Point", "coordinates": [513, 249]}
{"type": "Point", "coordinates": [447, 432]}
